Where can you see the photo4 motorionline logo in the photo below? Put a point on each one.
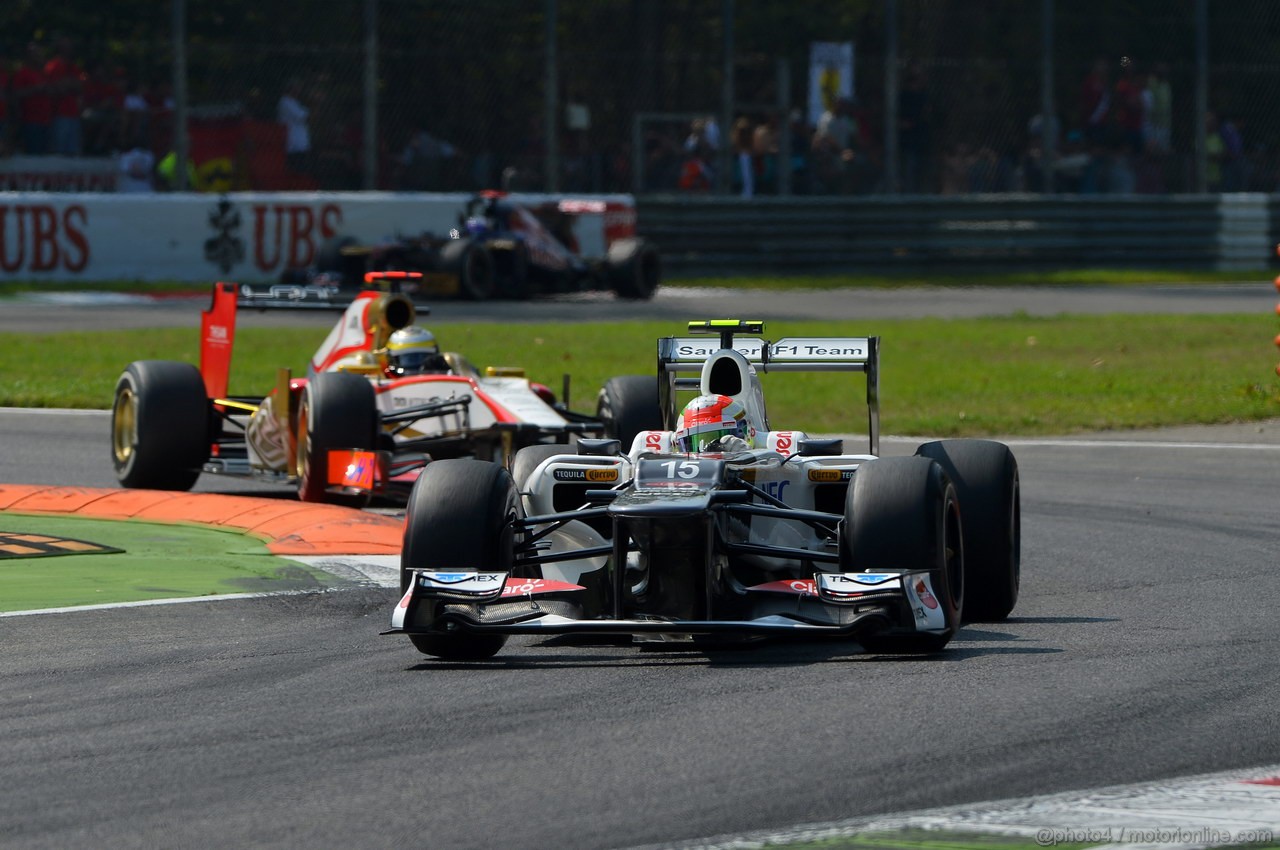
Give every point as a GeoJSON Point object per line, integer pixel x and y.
{"type": "Point", "coordinates": [1199, 836]}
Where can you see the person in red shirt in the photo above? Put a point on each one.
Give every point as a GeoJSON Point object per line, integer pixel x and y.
{"type": "Point", "coordinates": [103, 102]}
{"type": "Point", "coordinates": [66, 86]}
{"type": "Point", "coordinates": [34, 105]}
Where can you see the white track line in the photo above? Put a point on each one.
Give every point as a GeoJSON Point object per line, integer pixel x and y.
{"type": "Point", "coordinates": [1211, 810]}
{"type": "Point", "coordinates": [71, 609]}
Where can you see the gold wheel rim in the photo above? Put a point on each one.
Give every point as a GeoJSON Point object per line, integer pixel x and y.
{"type": "Point", "coordinates": [124, 426]}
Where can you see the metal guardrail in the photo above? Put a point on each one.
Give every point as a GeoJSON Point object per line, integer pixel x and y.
{"type": "Point", "coordinates": [707, 235]}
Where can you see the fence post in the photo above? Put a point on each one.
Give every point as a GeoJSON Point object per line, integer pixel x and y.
{"type": "Point", "coordinates": [1202, 94]}
{"type": "Point", "coordinates": [724, 156]}
{"type": "Point", "coordinates": [370, 152]}
{"type": "Point", "coordinates": [784, 128]}
{"type": "Point", "coordinates": [1048, 110]}
{"type": "Point", "coordinates": [891, 97]}
{"type": "Point", "coordinates": [551, 104]}
{"type": "Point", "coordinates": [180, 139]}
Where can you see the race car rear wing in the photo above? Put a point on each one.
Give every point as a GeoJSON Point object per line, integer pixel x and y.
{"type": "Point", "coordinates": [677, 355]}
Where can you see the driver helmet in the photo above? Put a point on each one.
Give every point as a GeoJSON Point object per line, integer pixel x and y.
{"type": "Point", "coordinates": [712, 423]}
{"type": "Point", "coordinates": [413, 350]}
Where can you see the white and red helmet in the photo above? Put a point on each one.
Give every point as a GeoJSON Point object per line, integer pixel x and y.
{"type": "Point", "coordinates": [707, 420]}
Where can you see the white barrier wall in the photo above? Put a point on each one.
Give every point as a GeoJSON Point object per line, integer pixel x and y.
{"type": "Point", "coordinates": [242, 237]}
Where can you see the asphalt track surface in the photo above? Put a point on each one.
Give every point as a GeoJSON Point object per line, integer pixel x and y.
{"type": "Point", "coordinates": [1143, 647]}
{"type": "Point", "coordinates": [55, 312]}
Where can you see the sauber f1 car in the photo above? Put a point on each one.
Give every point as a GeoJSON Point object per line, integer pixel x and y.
{"type": "Point", "coordinates": [789, 537]}
{"type": "Point", "coordinates": [500, 249]}
{"type": "Point", "coordinates": [351, 428]}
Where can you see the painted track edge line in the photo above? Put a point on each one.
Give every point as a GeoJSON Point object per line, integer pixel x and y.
{"type": "Point", "coordinates": [144, 603]}
{"type": "Point", "coordinates": [1206, 808]}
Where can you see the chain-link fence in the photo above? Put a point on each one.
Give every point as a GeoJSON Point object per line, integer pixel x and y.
{"type": "Point", "coordinates": [698, 96]}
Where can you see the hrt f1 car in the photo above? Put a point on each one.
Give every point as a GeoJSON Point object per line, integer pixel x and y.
{"type": "Point", "coordinates": [789, 537]}
{"type": "Point", "coordinates": [353, 427]}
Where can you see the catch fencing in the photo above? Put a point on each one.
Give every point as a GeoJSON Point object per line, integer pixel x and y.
{"type": "Point", "coordinates": [947, 97]}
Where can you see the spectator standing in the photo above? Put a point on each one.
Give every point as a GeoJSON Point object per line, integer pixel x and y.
{"type": "Point", "coordinates": [703, 139]}
{"type": "Point", "coordinates": [293, 115]}
{"type": "Point", "coordinates": [421, 163]}
{"type": "Point", "coordinates": [744, 168]}
{"type": "Point", "coordinates": [913, 129]}
{"type": "Point", "coordinates": [103, 99]}
{"type": "Point", "coordinates": [1095, 103]}
{"type": "Point", "coordinates": [65, 79]}
{"type": "Point", "coordinates": [1130, 116]}
{"type": "Point", "coordinates": [696, 173]}
{"type": "Point", "coordinates": [1158, 135]}
{"type": "Point", "coordinates": [135, 115]}
{"type": "Point", "coordinates": [137, 168]}
{"type": "Point", "coordinates": [34, 105]}
{"type": "Point", "coordinates": [1213, 148]}
{"type": "Point", "coordinates": [837, 124]}
{"type": "Point", "coordinates": [766, 146]}
{"type": "Point", "coordinates": [1235, 170]}
{"type": "Point", "coordinates": [801, 132]}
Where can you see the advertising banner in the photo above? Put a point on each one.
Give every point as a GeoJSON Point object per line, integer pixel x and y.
{"type": "Point", "coordinates": [241, 236]}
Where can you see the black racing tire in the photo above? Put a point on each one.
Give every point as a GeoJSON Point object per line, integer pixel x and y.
{"type": "Point", "coordinates": [627, 405]}
{"type": "Point", "coordinates": [474, 267]}
{"type": "Point", "coordinates": [512, 271]}
{"type": "Point", "coordinates": [633, 268]}
{"type": "Point", "coordinates": [985, 474]}
{"type": "Point", "coordinates": [329, 255]}
{"type": "Point", "coordinates": [528, 459]}
{"type": "Point", "coordinates": [903, 512]}
{"type": "Point", "coordinates": [338, 411]}
{"type": "Point", "coordinates": [330, 260]}
{"type": "Point", "coordinates": [459, 517]}
{"type": "Point", "coordinates": [160, 425]}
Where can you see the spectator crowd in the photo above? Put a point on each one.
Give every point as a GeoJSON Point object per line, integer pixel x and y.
{"type": "Point", "coordinates": [1116, 137]}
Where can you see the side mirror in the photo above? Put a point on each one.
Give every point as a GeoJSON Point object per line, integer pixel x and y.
{"type": "Point", "coordinates": [819, 448]}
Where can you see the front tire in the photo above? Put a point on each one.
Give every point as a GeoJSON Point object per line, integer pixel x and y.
{"type": "Point", "coordinates": [627, 405]}
{"type": "Point", "coordinates": [985, 474]}
{"type": "Point", "coordinates": [903, 512]}
{"type": "Point", "coordinates": [160, 425]}
{"type": "Point", "coordinates": [338, 411]}
{"type": "Point", "coordinates": [459, 517]}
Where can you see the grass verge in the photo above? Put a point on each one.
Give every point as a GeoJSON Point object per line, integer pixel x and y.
{"type": "Point", "coordinates": [1017, 375]}
{"type": "Point", "coordinates": [212, 562]}
{"type": "Point", "coordinates": [889, 279]}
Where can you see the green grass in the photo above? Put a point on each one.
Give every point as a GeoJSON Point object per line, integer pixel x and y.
{"type": "Point", "coordinates": [1017, 375]}
{"type": "Point", "coordinates": [212, 562]}
{"type": "Point", "coordinates": [1057, 277]}
{"type": "Point", "coordinates": [888, 279]}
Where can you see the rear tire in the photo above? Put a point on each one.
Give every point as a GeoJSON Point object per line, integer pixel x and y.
{"type": "Point", "coordinates": [633, 268]}
{"type": "Point", "coordinates": [474, 267]}
{"type": "Point", "coordinates": [160, 425]}
{"type": "Point", "coordinates": [627, 405]}
{"type": "Point", "coordinates": [903, 512]}
{"type": "Point", "coordinates": [338, 411]}
{"type": "Point", "coordinates": [985, 474]}
{"type": "Point", "coordinates": [512, 271]}
{"type": "Point", "coordinates": [331, 260]}
{"type": "Point", "coordinates": [459, 517]}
